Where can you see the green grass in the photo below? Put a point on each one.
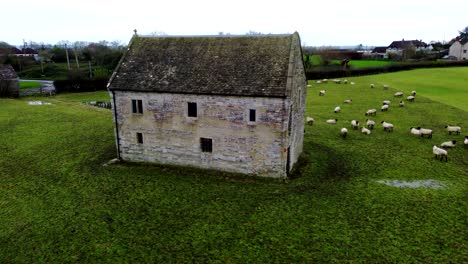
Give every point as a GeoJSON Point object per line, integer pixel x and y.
{"type": "Point", "coordinates": [369, 63]}
{"type": "Point", "coordinates": [27, 85]}
{"type": "Point", "coordinates": [58, 204]}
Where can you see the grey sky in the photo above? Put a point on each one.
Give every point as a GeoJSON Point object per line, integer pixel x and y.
{"type": "Point", "coordinates": [330, 22]}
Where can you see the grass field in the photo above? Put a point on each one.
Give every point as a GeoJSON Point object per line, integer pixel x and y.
{"type": "Point", "coordinates": [59, 204]}
{"type": "Point", "coordinates": [27, 85]}
{"type": "Point", "coordinates": [368, 63]}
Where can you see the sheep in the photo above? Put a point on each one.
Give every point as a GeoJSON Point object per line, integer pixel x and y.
{"type": "Point", "coordinates": [449, 144]}
{"type": "Point", "coordinates": [440, 153]}
{"type": "Point", "coordinates": [325, 80]}
{"type": "Point", "coordinates": [370, 123]}
{"type": "Point", "coordinates": [465, 141]}
{"type": "Point", "coordinates": [322, 92]}
{"type": "Point", "coordinates": [344, 132]}
{"type": "Point", "coordinates": [413, 93]}
{"type": "Point", "coordinates": [386, 86]}
{"type": "Point", "coordinates": [348, 101]}
{"type": "Point", "coordinates": [410, 98]}
{"type": "Point", "coordinates": [402, 103]}
{"type": "Point", "coordinates": [332, 121]}
{"type": "Point", "coordinates": [355, 124]}
{"type": "Point", "coordinates": [415, 131]}
{"type": "Point", "coordinates": [318, 82]}
{"type": "Point", "coordinates": [398, 94]}
{"type": "Point", "coordinates": [455, 129]}
{"type": "Point", "coordinates": [345, 81]}
{"type": "Point", "coordinates": [308, 86]}
{"type": "Point", "coordinates": [353, 83]}
{"type": "Point", "coordinates": [371, 112]}
{"type": "Point", "coordinates": [372, 85]}
{"type": "Point", "coordinates": [337, 81]}
{"type": "Point", "coordinates": [310, 120]}
{"type": "Point", "coordinates": [387, 126]}
{"type": "Point", "coordinates": [337, 109]}
{"type": "Point", "coordinates": [386, 102]}
{"type": "Point", "coordinates": [384, 108]}
{"type": "Point", "coordinates": [425, 131]}
{"type": "Point", "coordinates": [365, 131]}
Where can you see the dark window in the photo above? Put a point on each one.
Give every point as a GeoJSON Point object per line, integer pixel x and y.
{"type": "Point", "coordinates": [252, 115]}
{"type": "Point", "coordinates": [139, 138]}
{"type": "Point", "coordinates": [464, 51]}
{"type": "Point", "coordinates": [206, 144]}
{"type": "Point", "coordinates": [192, 109]}
{"type": "Point", "coordinates": [137, 106]}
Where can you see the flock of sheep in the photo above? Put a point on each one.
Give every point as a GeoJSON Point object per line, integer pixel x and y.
{"type": "Point", "coordinates": [439, 152]}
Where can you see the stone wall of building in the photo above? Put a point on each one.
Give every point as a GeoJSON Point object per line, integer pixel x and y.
{"type": "Point", "coordinates": [171, 137]}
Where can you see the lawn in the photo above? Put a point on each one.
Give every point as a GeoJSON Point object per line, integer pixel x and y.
{"type": "Point", "coordinates": [59, 204]}
{"type": "Point", "coordinates": [369, 63]}
{"type": "Point", "coordinates": [28, 84]}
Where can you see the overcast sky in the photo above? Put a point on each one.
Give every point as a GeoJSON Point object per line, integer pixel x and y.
{"type": "Point", "coordinates": [327, 22]}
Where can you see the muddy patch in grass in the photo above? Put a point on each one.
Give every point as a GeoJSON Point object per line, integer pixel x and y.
{"type": "Point", "coordinates": [428, 184]}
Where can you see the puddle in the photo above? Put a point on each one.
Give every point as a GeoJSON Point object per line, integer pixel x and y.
{"type": "Point", "coordinates": [38, 103]}
{"type": "Point", "coordinates": [106, 105]}
{"type": "Point", "coordinates": [430, 184]}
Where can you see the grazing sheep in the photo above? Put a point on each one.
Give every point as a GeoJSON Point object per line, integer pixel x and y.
{"type": "Point", "coordinates": [344, 132]}
{"type": "Point", "coordinates": [345, 81]}
{"type": "Point", "coordinates": [337, 81]}
{"type": "Point", "coordinates": [365, 131]}
{"type": "Point", "coordinates": [372, 85]}
{"type": "Point", "coordinates": [337, 109]}
{"type": "Point", "coordinates": [440, 153]}
{"type": "Point", "coordinates": [384, 108]}
{"type": "Point", "coordinates": [318, 82]}
{"type": "Point", "coordinates": [355, 124]}
{"type": "Point", "coordinates": [449, 144]}
{"type": "Point", "coordinates": [325, 80]}
{"type": "Point", "coordinates": [386, 86]}
{"type": "Point", "coordinates": [398, 94]}
{"type": "Point", "coordinates": [465, 141]}
{"type": "Point", "coordinates": [308, 86]}
{"type": "Point", "coordinates": [322, 92]}
{"type": "Point", "coordinates": [371, 112]}
{"type": "Point", "coordinates": [348, 101]}
{"type": "Point", "coordinates": [402, 103]}
{"type": "Point", "coordinates": [310, 120]}
{"type": "Point", "coordinates": [353, 83]}
{"type": "Point", "coordinates": [425, 131]}
{"type": "Point", "coordinates": [332, 121]}
{"type": "Point", "coordinates": [386, 102]}
{"type": "Point", "coordinates": [410, 98]}
{"type": "Point", "coordinates": [413, 93]}
{"type": "Point", "coordinates": [415, 131]}
{"type": "Point", "coordinates": [387, 126]}
{"type": "Point", "coordinates": [455, 129]}
{"type": "Point", "coordinates": [370, 123]}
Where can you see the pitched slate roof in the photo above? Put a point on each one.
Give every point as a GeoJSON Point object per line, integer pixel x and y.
{"type": "Point", "coordinates": [379, 50]}
{"type": "Point", "coordinates": [224, 65]}
{"type": "Point", "coordinates": [7, 72]}
{"type": "Point", "coordinates": [407, 43]}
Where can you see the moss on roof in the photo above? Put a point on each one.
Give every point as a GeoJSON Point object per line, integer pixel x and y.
{"type": "Point", "coordinates": [230, 65]}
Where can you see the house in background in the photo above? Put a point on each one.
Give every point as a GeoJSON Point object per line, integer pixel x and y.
{"type": "Point", "coordinates": [9, 82]}
{"type": "Point", "coordinates": [379, 53]}
{"type": "Point", "coordinates": [459, 49]}
{"type": "Point", "coordinates": [231, 103]}
{"type": "Point", "coordinates": [399, 46]}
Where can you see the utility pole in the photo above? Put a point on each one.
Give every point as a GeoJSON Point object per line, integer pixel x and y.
{"type": "Point", "coordinates": [90, 72]}
{"type": "Point", "coordinates": [68, 60]}
{"type": "Point", "coordinates": [76, 59]}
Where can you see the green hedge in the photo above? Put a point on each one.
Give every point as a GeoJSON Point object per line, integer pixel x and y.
{"type": "Point", "coordinates": [78, 86]}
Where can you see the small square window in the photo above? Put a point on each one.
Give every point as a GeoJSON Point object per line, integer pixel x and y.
{"type": "Point", "coordinates": [192, 109]}
{"type": "Point", "coordinates": [137, 106]}
{"type": "Point", "coordinates": [139, 137]}
{"type": "Point", "coordinates": [206, 144]}
{"type": "Point", "coordinates": [252, 115]}
{"type": "Point", "coordinates": [464, 51]}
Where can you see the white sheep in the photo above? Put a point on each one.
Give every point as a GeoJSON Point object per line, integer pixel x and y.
{"type": "Point", "coordinates": [425, 131]}
{"type": "Point", "coordinates": [449, 144]}
{"type": "Point", "coordinates": [365, 131]}
{"type": "Point", "coordinates": [402, 103]}
{"type": "Point", "coordinates": [384, 108]}
{"type": "Point", "coordinates": [455, 129]}
{"type": "Point", "coordinates": [386, 86]}
{"type": "Point", "coordinates": [353, 83]}
{"type": "Point", "coordinates": [465, 141]}
{"type": "Point", "coordinates": [325, 80]}
{"type": "Point", "coordinates": [371, 112]}
{"type": "Point", "coordinates": [398, 94]}
{"type": "Point", "coordinates": [415, 131]}
{"type": "Point", "coordinates": [308, 86]}
{"type": "Point", "coordinates": [344, 132]}
{"type": "Point", "coordinates": [413, 93]}
{"type": "Point", "coordinates": [372, 85]}
{"type": "Point", "coordinates": [337, 81]}
{"type": "Point", "coordinates": [310, 120]}
{"type": "Point", "coordinates": [348, 101]}
{"type": "Point", "coordinates": [387, 126]}
{"type": "Point", "coordinates": [355, 124]}
{"type": "Point", "coordinates": [332, 121]}
{"type": "Point", "coordinates": [440, 153]}
{"type": "Point", "coordinates": [410, 98]}
{"type": "Point", "coordinates": [318, 82]}
{"type": "Point", "coordinates": [322, 92]}
{"type": "Point", "coordinates": [337, 109]}
{"type": "Point", "coordinates": [345, 81]}
{"type": "Point", "coordinates": [386, 102]}
{"type": "Point", "coordinates": [370, 123]}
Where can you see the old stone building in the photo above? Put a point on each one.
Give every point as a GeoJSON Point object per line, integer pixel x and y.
{"type": "Point", "coordinates": [232, 103]}
{"type": "Point", "coordinates": [9, 82]}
